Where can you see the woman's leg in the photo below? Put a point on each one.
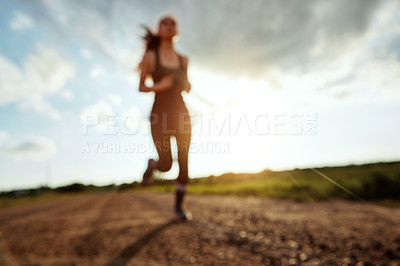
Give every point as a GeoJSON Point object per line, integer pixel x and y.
{"type": "Point", "coordinates": [183, 142]}
{"type": "Point", "coordinates": [183, 138]}
{"type": "Point", "coordinates": [163, 146]}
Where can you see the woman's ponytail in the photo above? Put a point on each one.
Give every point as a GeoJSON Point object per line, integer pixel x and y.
{"type": "Point", "coordinates": [152, 41]}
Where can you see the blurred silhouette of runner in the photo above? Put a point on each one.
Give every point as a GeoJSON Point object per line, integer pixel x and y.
{"type": "Point", "coordinates": [169, 116]}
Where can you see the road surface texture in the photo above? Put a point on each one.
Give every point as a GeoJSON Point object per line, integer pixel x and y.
{"type": "Point", "coordinates": [136, 228]}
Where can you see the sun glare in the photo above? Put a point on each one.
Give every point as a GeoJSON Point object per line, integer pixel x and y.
{"type": "Point", "coordinates": [239, 112]}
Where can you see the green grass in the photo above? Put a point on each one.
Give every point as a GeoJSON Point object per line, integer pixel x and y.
{"type": "Point", "coordinates": [378, 182]}
{"type": "Point", "coordinates": [7, 199]}
{"type": "Point", "coordinates": [47, 196]}
{"type": "Point", "coordinates": [277, 186]}
{"type": "Point", "coordinates": [375, 182]}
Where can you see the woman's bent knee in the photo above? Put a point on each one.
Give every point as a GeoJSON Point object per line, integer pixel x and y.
{"type": "Point", "coordinates": [182, 179]}
{"type": "Point", "coordinates": [164, 166]}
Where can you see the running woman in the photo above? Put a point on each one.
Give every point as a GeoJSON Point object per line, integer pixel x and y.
{"type": "Point", "coordinates": [169, 116]}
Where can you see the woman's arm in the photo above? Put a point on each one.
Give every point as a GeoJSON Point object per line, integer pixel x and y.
{"type": "Point", "coordinates": [188, 86]}
{"type": "Point", "coordinates": [146, 69]}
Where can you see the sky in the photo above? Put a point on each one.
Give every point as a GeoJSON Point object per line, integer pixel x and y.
{"type": "Point", "coordinates": [275, 85]}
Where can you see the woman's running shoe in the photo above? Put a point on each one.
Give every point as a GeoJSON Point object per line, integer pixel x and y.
{"type": "Point", "coordinates": [180, 215]}
{"type": "Point", "coordinates": [149, 171]}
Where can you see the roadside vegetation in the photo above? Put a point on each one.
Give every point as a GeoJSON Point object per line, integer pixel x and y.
{"type": "Point", "coordinates": [378, 182]}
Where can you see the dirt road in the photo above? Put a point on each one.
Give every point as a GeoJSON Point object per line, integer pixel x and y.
{"type": "Point", "coordinates": [136, 229]}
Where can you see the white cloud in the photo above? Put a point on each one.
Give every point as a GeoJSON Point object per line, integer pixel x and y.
{"type": "Point", "coordinates": [254, 40]}
{"type": "Point", "coordinates": [21, 21]}
{"type": "Point", "coordinates": [12, 82]}
{"type": "Point", "coordinates": [251, 39]}
{"type": "Point", "coordinates": [99, 115]}
{"type": "Point", "coordinates": [370, 67]}
{"type": "Point", "coordinates": [63, 19]}
{"type": "Point", "coordinates": [85, 53]}
{"type": "Point", "coordinates": [44, 73]}
{"type": "Point", "coordinates": [67, 94]}
{"type": "Point", "coordinates": [377, 78]}
{"type": "Point", "coordinates": [115, 99]}
{"type": "Point", "coordinates": [35, 148]}
{"type": "Point", "coordinates": [97, 71]}
{"type": "Point", "coordinates": [48, 70]}
{"type": "Point", "coordinates": [3, 136]}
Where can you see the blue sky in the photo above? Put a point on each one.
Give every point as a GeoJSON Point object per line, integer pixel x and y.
{"type": "Point", "coordinates": [275, 84]}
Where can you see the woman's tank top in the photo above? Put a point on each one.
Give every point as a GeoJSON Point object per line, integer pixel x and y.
{"type": "Point", "coordinates": [169, 100]}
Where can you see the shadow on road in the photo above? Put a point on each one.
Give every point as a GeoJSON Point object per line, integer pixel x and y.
{"type": "Point", "coordinates": [130, 251]}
